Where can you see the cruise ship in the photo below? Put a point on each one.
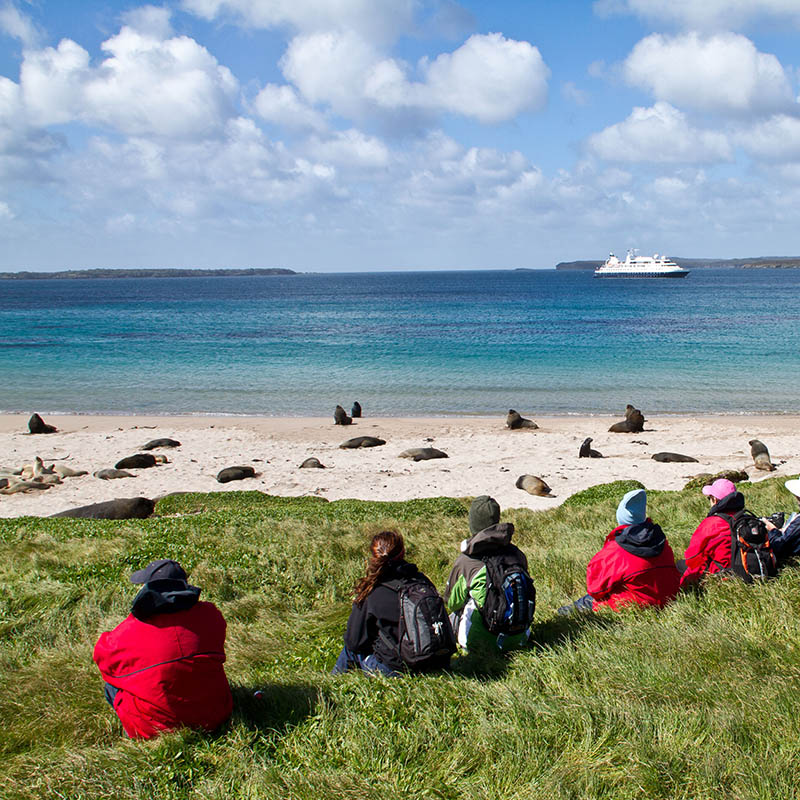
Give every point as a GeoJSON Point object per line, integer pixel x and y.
{"type": "Point", "coordinates": [636, 266]}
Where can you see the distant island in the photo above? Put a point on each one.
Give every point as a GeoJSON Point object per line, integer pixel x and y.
{"type": "Point", "coordinates": [762, 262]}
{"type": "Point", "coordinates": [72, 274]}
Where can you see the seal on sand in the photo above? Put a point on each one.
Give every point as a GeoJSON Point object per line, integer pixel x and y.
{"type": "Point", "coordinates": [123, 508]}
{"type": "Point", "coordinates": [13, 485]}
{"type": "Point", "coordinates": [340, 417]}
{"type": "Point", "coordinates": [154, 443]}
{"type": "Point", "coordinates": [667, 457]}
{"type": "Point", "coordinates": [586, 450]}
{"type": "Point", "coordinates": [139, 461]}
{"type": "Point", "coordinates": [63, 471]}
{"type": "Point", "coordinates": [423, 453]}
{"type": "Point", "coordinates": [760, 455]}
{"type": "Point", "coordinates": [533, 485]}
{"type": "Point", "coordinates": [312, 463]}
{"type": "Point", "coordinates": [235, 474]}
{"type": "Point", "coordinates": [361, 441]}
{"type": "Point", "coordinates": [110, 474]}
{"type": "Point", "coordinates": [356, 410]}
{"type": "Point", "coordinates": [514, 421]}
{"type": "Point", "coordinates": [37, 425]}
{"type": "Point", "coordinates": [633, 422]}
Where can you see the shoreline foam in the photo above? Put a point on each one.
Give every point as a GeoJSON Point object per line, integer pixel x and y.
{"type": "Point", "coordinates": [484, 456]}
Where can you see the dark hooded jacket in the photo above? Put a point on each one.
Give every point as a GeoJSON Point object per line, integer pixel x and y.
{"type": "Point", "coordinates": [380, 612]}
{"type": "Point", "coordinates": [710, 547]}
{"type": "Point", "coordinates": [167, 659]}
{"type": "Point", "coordinates": [636, 565]}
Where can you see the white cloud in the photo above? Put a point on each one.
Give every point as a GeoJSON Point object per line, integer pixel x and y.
{"type": "Point", "coordinates": [19, 26]}
{"type": "Point", "coordinates": [489, 77]}
{"type": "Point", "coordinates": [351, 148]}
{"type": "Point", "coordinates": [150, 20]}
{"type": "Point", "coordinates": [704, 14]}
{"type": "Point", "coordinates": [281, 106]}
{"type": "Point", "coordinates": [774, 139]}
{"type": "Point", "coordinates": [373, 19]}
{"type": "Point", "coordinates": [660, 134]}
{"type": "Point", "coordinates": [5, 212]}
{"type": "Point", "coordinates": [573, 94]}
{"type": "Point", "coordinates": [147, 85]}
{"type": "Point", "coordinates": [723, 73]}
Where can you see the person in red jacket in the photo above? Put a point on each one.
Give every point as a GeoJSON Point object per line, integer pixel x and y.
{"type": "Point", "coordinates": [635, 564]}
{"type": "Point", "coordinates": [163, 665]}
{"type": "Point", "coordinates": [710, 547]}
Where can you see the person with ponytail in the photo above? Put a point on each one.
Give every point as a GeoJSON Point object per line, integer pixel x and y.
{"type": "Point", "coordinates": [371, 640]}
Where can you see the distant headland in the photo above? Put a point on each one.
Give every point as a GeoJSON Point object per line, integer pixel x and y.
{"type": "Point", "coordinates": [762, 262]}
{"type": "Point", "coordinates": [72, 274]}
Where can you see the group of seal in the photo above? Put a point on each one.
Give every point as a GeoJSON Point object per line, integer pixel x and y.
{"type": "Point", "coordinates": [633, 422]}
{"type": "Point", "coordinates": [34, 476]}
{"type": "Point", "coordinates": [515, 421]}
{"type": "Point", "coordinates": [340, 415]}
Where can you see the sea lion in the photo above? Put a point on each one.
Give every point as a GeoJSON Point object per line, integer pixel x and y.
{"type": "Point", "coordinates": [587, 452]}
{"type": "Point", "coordinates": [138, 461]}
{"type": "Point", "coordinates": [37, 425]}
{"type": "Point", "coordinates": [361, 441]}
{"type": "Point", "coordinates": [760, 455]}
{"type": "Point", "coordinates": [15, 485]}
{"type": "Point", "coordinates": [235, 474]}
{"type": "Point", "coordinates": [340, 417]}
{"type": "Point", "coordinates": [111, 474]}
{"type": "Point", "coordinates": [356, 410]}
{"type": "Point", "coordinates": [154, 443]}
{"type": "Point", "coordinates": [533, 485]}
{"type": "Point", "coordinates": [514, 421]}
{"type": "Point", "coordinates": [64, 471]}
{"type": "Point", "coordinates": [423, 453]}
{"type": "Point", "coordinates": [633, 422]}
{"type": "Point", "coordinates": [122, 508]}
{"type": "Point", "coordinates": [312, 463]}
{"type": "Point", "coordinates": [667, 457]}
{"type": "Point", "coordinates": [634, 415]}
{"type": "Point", "coordinates": [48, 477]}
{"type": "Point", "coordinates": [706, 478]}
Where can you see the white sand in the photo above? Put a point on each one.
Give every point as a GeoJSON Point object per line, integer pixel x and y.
{"type": "Point", "coordinates": [484, 456]}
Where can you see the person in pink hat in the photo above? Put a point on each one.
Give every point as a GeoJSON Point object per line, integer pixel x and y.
{"type": "Point", "coordinates": [710, 547]}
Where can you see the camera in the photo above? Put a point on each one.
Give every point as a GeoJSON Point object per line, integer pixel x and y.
{"type": "Point", "coordinates": [777, 519]}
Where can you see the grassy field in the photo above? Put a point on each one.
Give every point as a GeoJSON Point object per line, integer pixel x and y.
{"type": "Point", "coordinates": [701, 700]}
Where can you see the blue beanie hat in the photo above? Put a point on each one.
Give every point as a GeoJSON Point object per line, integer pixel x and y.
{"type": "Point", "coordinates": [632, 508]}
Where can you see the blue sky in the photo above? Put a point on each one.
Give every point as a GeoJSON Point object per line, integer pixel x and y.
{"type": "Point", "coordinates": [395, 134]}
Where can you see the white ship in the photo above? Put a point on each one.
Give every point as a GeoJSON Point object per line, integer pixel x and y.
{"type": "Point", "coordinates": [636, 266]}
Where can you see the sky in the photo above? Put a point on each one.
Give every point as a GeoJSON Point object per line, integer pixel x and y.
{"type": "Point", "coordinates": [353, 135]}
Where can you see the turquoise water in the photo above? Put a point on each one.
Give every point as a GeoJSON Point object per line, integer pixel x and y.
{"type": "Point", "coordinates": [421, 343]}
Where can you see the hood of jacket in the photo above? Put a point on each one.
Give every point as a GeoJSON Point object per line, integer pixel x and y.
{"type": "Point", "coordinates": [396, 570]}
{"type": "Point", "coordinates": [163, 597]}
{"type": "Point", "coordinates": [489, 539]}
{"type": "Point", "coordinates": [729, 504]}
{"type": "Point", "coordinates": [644, 539]}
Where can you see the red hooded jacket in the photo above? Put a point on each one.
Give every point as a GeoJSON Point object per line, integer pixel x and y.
{"type": "Point", "coordinates": [710, 547]}
{"type": "Point", "coordinates": [636, 565]}
{"type": "Point", "coordinates": [169, 669]}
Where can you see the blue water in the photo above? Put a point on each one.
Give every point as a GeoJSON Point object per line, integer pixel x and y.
{"type": "Point", "coordinates": [420, 343]}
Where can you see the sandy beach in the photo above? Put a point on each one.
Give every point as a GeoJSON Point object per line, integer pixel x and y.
{"type": "Point", "coordinates": [484, 456]}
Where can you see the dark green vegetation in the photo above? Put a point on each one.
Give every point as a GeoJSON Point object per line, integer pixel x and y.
{"type": "Point", "coordinates": [762, 262]}
{"type": "Point", "coordinates": [699, 701]}
{"type": "Point", "coordinates": [71, 274]}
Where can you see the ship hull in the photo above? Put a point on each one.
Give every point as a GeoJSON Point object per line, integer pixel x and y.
{"type": "Point", "coordinates": [682, 274]}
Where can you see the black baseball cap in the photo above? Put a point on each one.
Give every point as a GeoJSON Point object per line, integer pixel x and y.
{"type": "Point", "coordinates": [163, 569]}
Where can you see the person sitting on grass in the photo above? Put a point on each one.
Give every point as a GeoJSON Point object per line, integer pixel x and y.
{"type": "Point", "coordinates": [163, 665]}
{"type": "Point", "coordinates": [635, 564]}
{"type": "Point", "coordinates": [393, 591]}
{"type": "Point", "coordinates": [709, 549]}
{"type": "Point", "coordinates": [489, 594]}
{"type": "Point", "coordinates": [785, 541]}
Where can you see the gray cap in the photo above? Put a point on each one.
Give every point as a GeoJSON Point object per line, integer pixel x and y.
{"type": "Point", "coordinates": [163, 569]}
{"type": "Point", "coordinates": [483, 513]}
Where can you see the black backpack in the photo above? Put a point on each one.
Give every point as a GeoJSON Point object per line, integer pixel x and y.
{"type": "Point", "coordinates": [510, 593]}
{"type": "Point", "coordinates": [751, 554]}
{"type": "Point", "coordinates": [424, 628]}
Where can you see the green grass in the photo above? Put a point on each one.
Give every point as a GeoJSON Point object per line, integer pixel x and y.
{"type": "Point", "coordinates": [698, 701]}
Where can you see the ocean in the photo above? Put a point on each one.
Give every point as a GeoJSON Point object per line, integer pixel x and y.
{"type": "Point", "coordinates": [404, 344]}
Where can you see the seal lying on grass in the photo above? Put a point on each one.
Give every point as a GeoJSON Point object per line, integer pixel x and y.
{"type": "Point", "coordinates": [123, 508]}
